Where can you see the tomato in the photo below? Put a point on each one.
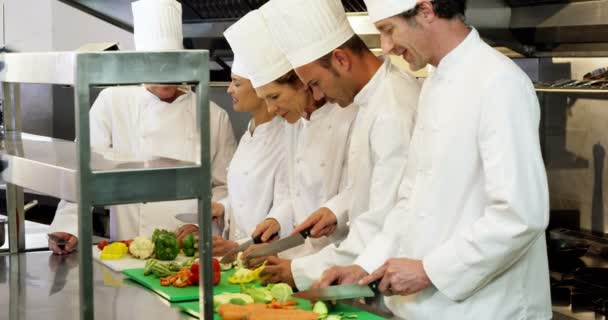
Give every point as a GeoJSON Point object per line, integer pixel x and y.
{"type": "Point", "coordinates": [102, 244]}
{"type": "Point", "coordinates": [217, 271]}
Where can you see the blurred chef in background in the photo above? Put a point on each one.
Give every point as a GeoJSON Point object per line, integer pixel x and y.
{"type": "Point", "coordinates": [135, 123]}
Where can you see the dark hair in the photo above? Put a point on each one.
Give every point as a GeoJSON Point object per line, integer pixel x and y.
{"type": "Point", "coordinates": [354, 44]}
{"type": "Point", "coordinates": [290, 78]}
{"type": "Point", "coordinates": [446, 9]}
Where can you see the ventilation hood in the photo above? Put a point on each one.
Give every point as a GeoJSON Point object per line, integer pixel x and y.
{"type": "Point", "coordinates": [516, 27]}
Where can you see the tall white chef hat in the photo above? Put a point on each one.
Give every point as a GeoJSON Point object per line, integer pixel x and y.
{"type": "Point", "coordinates": [255, 50]}
{"type": "Point", "coordinates": [157, 25]}
{"type": "Point", "coordinates": [306, 30]}
{"type": "Point", "coordinates": [382, 9]}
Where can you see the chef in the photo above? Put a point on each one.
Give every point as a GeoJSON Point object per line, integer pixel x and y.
{"type": "Point", "coordinates": [256, 174]}
{"type": "Point", "coordinates": [327, 56]}
{"type": "Point", "coordinates": [317, 135]}
{"type": "Point", "coordinates": [135, 123]}
{"type": "Point", "coordinates": [467, 238]}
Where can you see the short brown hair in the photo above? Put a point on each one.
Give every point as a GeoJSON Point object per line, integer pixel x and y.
{"type": "Point", "coordinates": [446, 9]}
{"type": "Point", "coordinates": [354, 44]}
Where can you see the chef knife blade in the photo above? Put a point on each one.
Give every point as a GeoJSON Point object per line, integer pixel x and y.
{"type": "Point", "coordinates": [369, 308]}
{"type": "Point", "coordinates": [187, 217]}
{"type": "Point", "coordinates": [280, 245]}
{"type": "Point", "coordinates": [233, 254]}
{"type": "Point", "coordinates": [339, 292]}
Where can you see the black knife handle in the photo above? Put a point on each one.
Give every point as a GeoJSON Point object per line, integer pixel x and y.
{"type": "Point", "coordinates": [374, 286]}
{"type": "Point", "coordinates": [306, 232]}
{"type": "Point", "coordinates": [258, 239]}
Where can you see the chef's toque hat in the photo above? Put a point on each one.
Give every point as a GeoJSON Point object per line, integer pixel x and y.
{"type": "Point", "coordinates": [157, 25]}
{"type": "Point", "coordinates": [382, 9]}
{"type": "Point", "coordinates": [255, 51]}
{"type": "Point", "coordinates": [306, 30]}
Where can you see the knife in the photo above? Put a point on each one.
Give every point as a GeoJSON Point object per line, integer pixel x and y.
{"type": "Point", "coordinates": [187, 217]}
{"type": "Point", "coordinates": [233, 254]}
{"type": "Point", "coordinates": [377, 310]}
{"type": "Point", "coordinates": [275, 247]}
{"type": "Point", "coordinates": [340, 292]}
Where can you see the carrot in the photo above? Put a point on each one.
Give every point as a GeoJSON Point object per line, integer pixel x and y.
{"type": "Point", "coordinates": [274, 314]}
{"type": "Point", "coordinates": [232, 312]}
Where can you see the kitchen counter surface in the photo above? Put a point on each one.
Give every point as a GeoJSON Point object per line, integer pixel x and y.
{"type": "Point", "coordinates": [39, 285]}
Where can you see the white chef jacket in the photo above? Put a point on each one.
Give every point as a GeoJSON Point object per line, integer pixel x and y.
{"type": "Point", "coordinates": [131, 124]}
{"type": "Point", "coordinates": [255, 179]}
{"type": "Point", "coordinates": [474, 201]}
{"type": "Point", "coordinates": [377, 159]}
{"type": "Point", "coordinates": [316, 159]}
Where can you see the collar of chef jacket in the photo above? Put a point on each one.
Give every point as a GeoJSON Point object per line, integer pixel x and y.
{"type": "Point", "coordinates": [264, 128]}
{"type": "Point", "coordinates": [451, 64]}
{"type": "Point", "coordinates": [318, 114]}
{"type": "Point", "coordinates": [149, 96]}
{"type": "Point", "coordinates": [362, 99]}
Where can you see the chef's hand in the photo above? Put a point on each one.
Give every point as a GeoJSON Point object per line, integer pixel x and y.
{"type": "Point", "coordinates": [400, 276]}
{"type": "Point", "coordinates": [217, 211]}
{"type": "Point", "coordinates": [278, 270]}
{"type": "Point", "coordinates": [253, 262]}
{"type": "Point", "coordinates": [340, 275]}
{"type": "Point", "coordinates": [322, 221]}
{"type": "Point", "coordinates": [71, 243]}
{"type": "Point", "coordinates": [185, 230]}
{"type": "Point", "coordinates": [222, 246]}
{"type": "Point", "coordinates": [266, 229]}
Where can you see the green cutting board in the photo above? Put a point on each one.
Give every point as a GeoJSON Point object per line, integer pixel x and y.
{"type": "Point", "coordinates": [174, 294]}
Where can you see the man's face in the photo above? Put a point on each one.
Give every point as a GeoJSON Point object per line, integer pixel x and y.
{"type": "Point", "coordinates": [244, 97]}
{"type": "Point", "coordinates": [164, 93]}
{"type": "Point", "coordinates": [285, 100]}
{"type": "Point", "coordinates": [330, 84]}
{"type": "Point", "coordinates": [404, 38]}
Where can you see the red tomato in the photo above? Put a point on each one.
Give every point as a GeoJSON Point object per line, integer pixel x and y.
{"type": "Point", "coordinates": [102, 244]}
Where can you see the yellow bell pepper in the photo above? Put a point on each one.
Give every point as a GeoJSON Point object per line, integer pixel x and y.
{"type": "Point", "coordinates": [114, 251]}
{"type": "Point", "coordinates": [244, 275]}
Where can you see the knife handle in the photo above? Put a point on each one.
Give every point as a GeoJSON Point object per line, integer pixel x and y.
{"type": "Point", "coordinates": [306, 232]}
{"type": "Point", "coordinates": [374, 286]}
{"type": "Point", "coordinates": [258, 239]}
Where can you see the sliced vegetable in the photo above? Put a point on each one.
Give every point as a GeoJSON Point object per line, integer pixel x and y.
{"type": "Point", "coordinates": [281, 291]}
{"type": "Point", "coordinates": [231, 298]}
{"type": "Point", "coordinates": [114, 251]}
{"type": "Point", "coordinates": [259, 295]}
{"type": "Point", "coordinates": [334, 317]}
{"type": "Point", "coordinates": [320, 308]}
{"type": "Point", "coordinates": [244, 275]}
{"type": "Point", "coordinates": [141, 248]}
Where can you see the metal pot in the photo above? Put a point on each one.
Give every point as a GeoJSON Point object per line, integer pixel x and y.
{"type": "Point", "coordinates": [3, 221]}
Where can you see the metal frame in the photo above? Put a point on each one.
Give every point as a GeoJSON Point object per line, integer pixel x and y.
{"type": "Point", "coordinates": [128, 185]}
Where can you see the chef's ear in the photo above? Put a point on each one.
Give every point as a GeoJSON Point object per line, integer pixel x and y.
{"type": "Point", "coordinates": [341, 59]}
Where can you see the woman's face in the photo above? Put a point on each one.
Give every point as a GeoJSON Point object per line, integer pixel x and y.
{"type": "Point", "coordinates": [244, 98]}
{"type": "Point", "coordinates": [285, 100]}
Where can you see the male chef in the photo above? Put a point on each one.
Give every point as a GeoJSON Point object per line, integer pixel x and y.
{"type": "Point", "coordinates": [135, 123]}
{"type": "Point", "coordinates": [334, 62]}
{"type": "Point", "coordinates": [466, 240]}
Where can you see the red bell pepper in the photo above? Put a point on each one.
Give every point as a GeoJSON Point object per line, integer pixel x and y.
{"type": "Point", "coordinates": [215, 267]}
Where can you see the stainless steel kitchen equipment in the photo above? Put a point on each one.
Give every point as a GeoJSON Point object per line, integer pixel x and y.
{"type": "Point", "coordinates": [3, 221]}
{"type": "Point", "coordinates": [78, 175]}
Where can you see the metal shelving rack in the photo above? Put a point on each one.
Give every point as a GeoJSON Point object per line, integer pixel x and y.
{"type": "Point", "coordinates": [69, 170]}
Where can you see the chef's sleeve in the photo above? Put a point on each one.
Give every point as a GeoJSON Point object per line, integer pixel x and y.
{"type": "Point", "coordinates": [226, 146]}
{"type": "Point", "coordinates": [517, 209]}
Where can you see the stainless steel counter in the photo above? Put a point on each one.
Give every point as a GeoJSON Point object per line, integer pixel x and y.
{"type": "Point", "coordinates": [39, 285]}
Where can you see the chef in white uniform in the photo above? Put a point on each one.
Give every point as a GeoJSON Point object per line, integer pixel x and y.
{"type": "Point", "coordinates": [136, 123]}
{"type": "Point", "coordinates": [256, 175]}
{"type": "Point", "coordinates": [322, 47]}
{"type": "Point", "coordinates": [316, 138]}
{"type": "Point", "coordinates": [467, 238]}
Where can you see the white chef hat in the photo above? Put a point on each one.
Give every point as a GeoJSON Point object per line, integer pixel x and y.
{"type": "Point", "coordinates": [306, 30]}
{"type": "Point", "coordinates": [255, 50]}
{"type": "Point", "coordinates": [157, 25]}
{"type": "Point", "coordinates": [382, 9]}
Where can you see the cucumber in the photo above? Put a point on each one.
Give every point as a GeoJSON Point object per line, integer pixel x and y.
{"type": "Point", "coordinates": [320, 308]}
